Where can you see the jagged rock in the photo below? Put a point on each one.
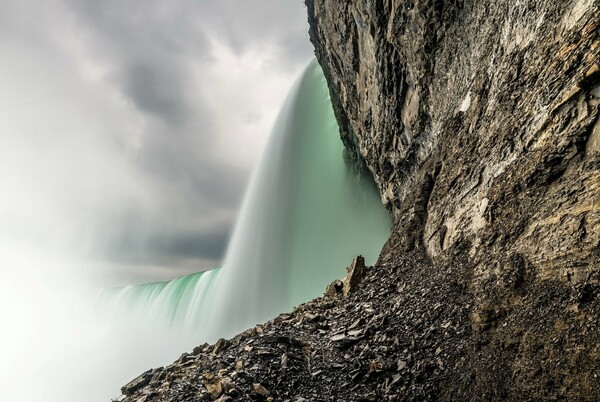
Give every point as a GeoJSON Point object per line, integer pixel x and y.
{"type": "Point", "coordinates": [356, 273]}
{"type": "Point", "coordinates": [260, 389]}
{"type": "Point", "coordinates": [214, 388]}
{"type": "Point", "coordinates": [334, 288]}
{"type": "Point", "coordinates": [139, 382]}
{"type": "Point", "coordinates": [227, 384]}
{"type": "Point", "coordinates": [479, 121]}
{"type": "Point", "coordinates": [425, 93]}
{"type": "Point", "coordinates": [220, 345]}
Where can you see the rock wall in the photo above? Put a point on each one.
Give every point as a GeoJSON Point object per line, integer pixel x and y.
{"type": "Point", "coordinates": [479, 121]}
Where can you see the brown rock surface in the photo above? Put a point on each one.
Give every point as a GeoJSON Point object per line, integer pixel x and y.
{"type": "Point", "coordinates": [355, 274]}
{"type": "Point", "coordinates": [480, 123]}
{"type": "Point", "coordinates": [477, 120]}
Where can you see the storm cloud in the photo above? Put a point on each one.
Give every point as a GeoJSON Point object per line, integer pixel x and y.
{"type": "Point", "coordinates": [131, 127]}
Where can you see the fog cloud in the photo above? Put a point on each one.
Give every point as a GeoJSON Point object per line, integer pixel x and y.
{"type": "Point", "coordinates": [129, 128]}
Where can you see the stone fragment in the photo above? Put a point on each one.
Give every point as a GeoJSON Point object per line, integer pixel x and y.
{"type": "Point", "coordinates": [215, 388]}
{"type": "Point", "coordinates": [220, 345]}
{"type": "Point", "coordinates": [227, 384]}
{"type": "Point", "coordinates": [356, 273]}
{"type": "Point", "coordinates": [260, 389]}
{"type": "Point", "coordinates": [138, 382]}
{"type": "Point", "coordinates": [334, 288]}
{"type": "Point", "coordinates": [338, 338]}
{"type": "Point", "coordinates": [313, 317]}
{"type": "Point", "coordinates": [356, 333]}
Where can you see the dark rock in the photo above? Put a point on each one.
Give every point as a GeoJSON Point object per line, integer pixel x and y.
{"type": "Point", "coordinates": [220, 345]}
{"type": "Point", "coordinates": [475, 108]}
{"type": "Point", "coordinates": [139, 382]}
{"type": "Point", "coordinates": [479, 122]}
{"type": "Point", "coordinates": [334, 288]}
{"type": "Point", "coordinates": [356, 273]}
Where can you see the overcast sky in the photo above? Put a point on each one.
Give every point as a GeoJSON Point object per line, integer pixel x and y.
{"type": "Point", "coordinates": [129, 128]}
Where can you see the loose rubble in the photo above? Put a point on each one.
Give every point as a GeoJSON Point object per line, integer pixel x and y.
{"type": "Point", "coordinates": [362, 346]}
{"type": "Point", "coordinates": [407, 332]}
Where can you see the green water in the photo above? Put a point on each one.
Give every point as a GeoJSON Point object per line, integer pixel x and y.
{"type": "Point", "coordinates": [304, 217]}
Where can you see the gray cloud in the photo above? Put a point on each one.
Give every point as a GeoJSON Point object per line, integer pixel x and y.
{"type": "Point", "coordinates": [157, 89]}
{"type": "Point", "coordinates": [258, 22]}
{"type": "Point", "coordinates": [181, 154]}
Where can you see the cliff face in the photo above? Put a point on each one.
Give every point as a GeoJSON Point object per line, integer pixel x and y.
{"type": "Point", "coordinates": [479, 120]}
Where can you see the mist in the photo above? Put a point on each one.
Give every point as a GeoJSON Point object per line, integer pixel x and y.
{"type": "Point", "coordinates": [128, 132]}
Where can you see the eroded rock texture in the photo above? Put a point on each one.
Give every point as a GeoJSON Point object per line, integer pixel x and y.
{"type": "Point", "coordinates": [476, 119]}
{"type": "Point", "coordinates": [479, 121]}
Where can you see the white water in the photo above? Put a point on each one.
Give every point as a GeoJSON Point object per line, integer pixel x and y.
{"type": "Point", "coordinates": [303, 220]}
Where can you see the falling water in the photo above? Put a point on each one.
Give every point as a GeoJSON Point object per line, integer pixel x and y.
{"type": "Point", "coordinates": [304, 217]}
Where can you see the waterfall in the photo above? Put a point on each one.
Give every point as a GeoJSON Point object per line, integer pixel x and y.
{"type": "Point", "coordinates": [303, 219]}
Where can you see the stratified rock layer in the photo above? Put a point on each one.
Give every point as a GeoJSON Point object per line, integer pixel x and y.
{"type": "Point", "coordinates": [480, 123]}
{"type": "Point", "coordinates": [476, 120]}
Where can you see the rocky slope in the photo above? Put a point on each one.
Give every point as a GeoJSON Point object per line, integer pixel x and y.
{"type": "Point", "coordinates": [479, 121]}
